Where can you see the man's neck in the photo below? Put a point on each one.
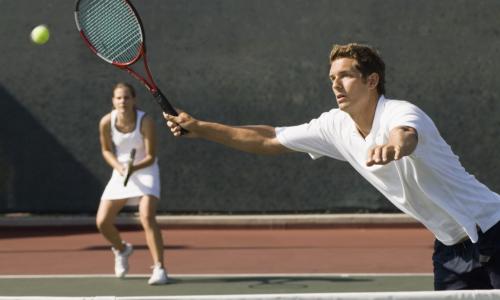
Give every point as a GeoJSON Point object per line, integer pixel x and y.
{"type": "Point", "coordinates": [364, 117]}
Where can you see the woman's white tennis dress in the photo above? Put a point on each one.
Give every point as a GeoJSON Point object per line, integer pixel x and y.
{"type": "Point", "coordinates": [142, 182]}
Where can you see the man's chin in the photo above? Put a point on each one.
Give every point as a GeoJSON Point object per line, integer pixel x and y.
{"type": "Point", "coordinates": [342, 106]}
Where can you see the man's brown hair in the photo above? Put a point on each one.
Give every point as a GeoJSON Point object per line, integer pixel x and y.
{"type": "Point", "coordinates": [368, 61]}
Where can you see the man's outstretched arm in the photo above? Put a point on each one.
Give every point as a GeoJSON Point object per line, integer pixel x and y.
{"type": "Point", "coordinates": [259, 139]}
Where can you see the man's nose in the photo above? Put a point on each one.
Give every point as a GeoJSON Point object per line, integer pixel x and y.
{"type": "Point", "coordinates": [336, 84]}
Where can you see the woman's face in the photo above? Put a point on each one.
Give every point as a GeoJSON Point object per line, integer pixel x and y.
{"type": "Point", "coordinates": [123, 99]}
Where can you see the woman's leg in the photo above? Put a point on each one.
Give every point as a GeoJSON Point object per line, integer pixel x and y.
{"type": "Point", "coordinates": [154, 239]}
{"type": "Point", "coordinates": [105, 219]}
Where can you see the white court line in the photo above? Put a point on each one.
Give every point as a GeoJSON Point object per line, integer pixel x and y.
{"type": "Point", "coordinates": [415, 295]}
{"type": "Point", "coordinates": [344, 275]}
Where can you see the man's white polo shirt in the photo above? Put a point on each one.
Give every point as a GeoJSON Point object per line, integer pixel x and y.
{"type": "Point", "coordinates": [430, 184]}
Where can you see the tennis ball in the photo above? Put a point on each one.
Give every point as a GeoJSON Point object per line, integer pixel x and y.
{"type": "Point", "coordinates": [40, 34]}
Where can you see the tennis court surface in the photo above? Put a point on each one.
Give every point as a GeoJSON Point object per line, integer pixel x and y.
{"type": "Point", "coordinates": [225, 262]}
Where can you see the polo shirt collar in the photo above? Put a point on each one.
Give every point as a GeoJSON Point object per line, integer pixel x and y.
{"type": "Point", "coordinates": [376, 120]}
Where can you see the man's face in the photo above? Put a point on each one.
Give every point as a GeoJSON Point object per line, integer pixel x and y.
{"type": "Point", "coordinates": [350, 88]}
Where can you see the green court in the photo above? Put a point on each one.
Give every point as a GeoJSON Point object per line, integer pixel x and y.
{"type": "Point", "coordinates": [88, 286]}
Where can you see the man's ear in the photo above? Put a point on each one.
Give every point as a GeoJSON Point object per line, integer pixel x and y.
{"type": "Point", "coordinates": [373, 80]}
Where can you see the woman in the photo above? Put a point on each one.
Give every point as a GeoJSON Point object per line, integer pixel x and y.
{"type": "Point", "coordinates": [120, 131]}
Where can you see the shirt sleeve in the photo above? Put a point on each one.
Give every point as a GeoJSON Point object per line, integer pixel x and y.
{"type": "Point", "coordinates": [410, 115]}
{"type": "Point", "coordinates": [311, 138]}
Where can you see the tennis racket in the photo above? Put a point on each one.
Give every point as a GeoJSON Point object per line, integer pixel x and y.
{"type": "Point", "coordinates": [113, 30]}
{"type": "Point", "coordinates": [129, 167]}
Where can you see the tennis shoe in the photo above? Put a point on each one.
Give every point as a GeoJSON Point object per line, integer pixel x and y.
{"type": "Point", "coordinates": [121, 260]}
{"type": "Point", "coordinates": [159, 275]}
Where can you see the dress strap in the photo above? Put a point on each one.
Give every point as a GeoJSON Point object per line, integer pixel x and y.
{"type": "Point", "coordinates": [113, 120]}
{"type": "Point", "coordinates": [140, 115]}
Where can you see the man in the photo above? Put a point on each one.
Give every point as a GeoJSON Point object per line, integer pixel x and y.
{"type": "Point", "coordinates": [398, 149]}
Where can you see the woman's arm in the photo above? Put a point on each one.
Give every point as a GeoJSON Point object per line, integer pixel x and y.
{"type": "Point", "coordinates": [107, 145]}
{"type": "Point", "coordinates": [149, 135]}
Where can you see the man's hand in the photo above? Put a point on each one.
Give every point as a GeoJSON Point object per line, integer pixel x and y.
{"type": "Point", "coordinates": [402, 142]}
{"type": "Point", "coordinates": [182, 121]}
{"type": "Point", "coordinates": [383, 154]}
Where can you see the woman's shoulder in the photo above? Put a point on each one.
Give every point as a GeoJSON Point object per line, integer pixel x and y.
{"type": "Point", "coordinates": [143, 116]}
{"type": "Point", "coordinates": [147, 124]}
{"type": "Point", "coordinates": [105, 120]}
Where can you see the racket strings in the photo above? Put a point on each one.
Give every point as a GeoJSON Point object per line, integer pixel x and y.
{"type": "Point", "coordinates": [112, 29]}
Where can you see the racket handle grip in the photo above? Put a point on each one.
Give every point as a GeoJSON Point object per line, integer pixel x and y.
{"type": "Point", "coordinates": [130, 163]}
{"type": "Point", "coordinates": [166, 106]}
{"type": "Point", "coordinates": [126, 179]}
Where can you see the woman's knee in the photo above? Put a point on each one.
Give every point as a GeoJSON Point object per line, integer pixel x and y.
{"type": "Point", "coordinates": [104, 221]}
{"type": "Point", "coordinates": [147, 219]}
{"type": "Point", "coordinates": [101, 223]}
{"type": "Point", "coordinates": [107, 212]}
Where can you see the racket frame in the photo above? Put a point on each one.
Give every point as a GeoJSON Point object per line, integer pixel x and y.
{"type": "Point", "coordinates": [151, 84]}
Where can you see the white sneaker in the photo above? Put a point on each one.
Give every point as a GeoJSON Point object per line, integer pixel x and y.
{"type": "Point", "coordinates": [159, 275]}
{"type": "Point", "coordinates": [121, 260]}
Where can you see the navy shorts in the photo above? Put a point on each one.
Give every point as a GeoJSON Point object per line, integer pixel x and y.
{"type": "Point", "coordinates": [468, 265]}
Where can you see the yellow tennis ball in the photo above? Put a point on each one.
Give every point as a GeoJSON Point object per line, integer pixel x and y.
{"type": "Point", "coordinates": [40, 34]}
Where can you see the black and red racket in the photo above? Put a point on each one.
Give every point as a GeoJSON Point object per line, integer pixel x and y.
{"type": "Point", "coordinates": [113, 30]}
